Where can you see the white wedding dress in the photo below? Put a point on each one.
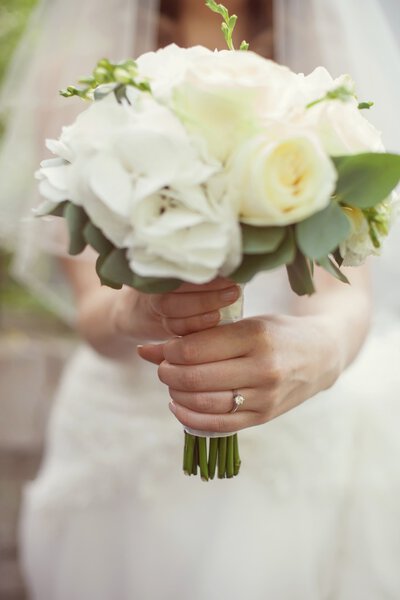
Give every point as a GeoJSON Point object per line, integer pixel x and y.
{"type": "Point", "coordinates": [314, 513]}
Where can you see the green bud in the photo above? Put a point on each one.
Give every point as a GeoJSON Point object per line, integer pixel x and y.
{"type": "Point", "coordinates": [121, 75]}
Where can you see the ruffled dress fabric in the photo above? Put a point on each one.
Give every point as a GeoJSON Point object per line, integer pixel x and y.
{"type": "Point", "coordinates": [314, 514]}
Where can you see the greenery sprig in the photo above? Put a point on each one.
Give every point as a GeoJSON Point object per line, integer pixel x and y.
{"type": "Point", "coordinates": [378, 218]}
{"type": "Point", "coordinates": [228, 25]}
{"type": "Point", "coordinates": [116, 75]}
{"type": "Point", "coordinates": [342, 93]}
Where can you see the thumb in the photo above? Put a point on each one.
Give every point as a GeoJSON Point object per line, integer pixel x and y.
{"type": "Point", "coordinates": [153, 353]}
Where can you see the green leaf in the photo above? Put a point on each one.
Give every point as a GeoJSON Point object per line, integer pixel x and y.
{"type": "Point", "coordinates": [253, 264]}
{"type": "Point", "coordinates": [366, 179]}
{"type": "Point", "coordinates": [97, 240]}
{"type": "Point", "coordinates": [116, 268]}
{"type": "Point", "coordinates": [321, 233]}
{"type": "Point", "coordinates": [260, 240]}
{"type": "Point", "coordinates": [365, 105]}
{"type": "Point", "coordinates": [328, 265]}
{"type": "Point", "coordinates": [300, 275]}
{"type": "Point", "coordinates": [103, 280]}
{"type": "Point", "coordinates": [76, 219]}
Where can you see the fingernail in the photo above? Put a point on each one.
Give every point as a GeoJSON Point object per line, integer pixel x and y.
{"type": "Point", "coordinates": [172, 407]}
{"type": "Point", "coordinates": [139, 346]}
{"type": "Point", "coordinates": [211, 317]}
{"type": "Point", "coordinates": [230, 294]}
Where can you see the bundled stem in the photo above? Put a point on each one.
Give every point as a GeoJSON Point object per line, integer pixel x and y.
{"type": "Point", "coordinates": [215, 454]}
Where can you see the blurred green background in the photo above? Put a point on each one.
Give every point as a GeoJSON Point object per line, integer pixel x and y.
{"type": "Point", "coordinates": [18, 308]}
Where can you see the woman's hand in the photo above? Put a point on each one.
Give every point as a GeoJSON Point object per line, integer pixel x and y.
{"type": "Point", "coordinates": [275, 362]}
{"type": "Point", "coordinates": [188, 309]}
{"type": "Point", "coordinates": [115, 321]}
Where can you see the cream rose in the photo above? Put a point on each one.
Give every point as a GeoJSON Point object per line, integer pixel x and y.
{"type": "Point", "coordinates": [339, 124]}
{"type": "Point", "coordinates": [166, 68]}
{"type": "Point", "coordinates": [281, 182]}
{"type": "Point", "coordinates": [224, 98]}
{"type": "Point", "coordinates": [342, 128]}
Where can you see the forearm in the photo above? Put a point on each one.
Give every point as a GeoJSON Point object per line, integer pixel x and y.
{"type": "Point", "coordinates": [343, 312]}
{"type": "Point", "coordinates": [113, 322]}
{"type": "Point", "coordinates": [96, 324]}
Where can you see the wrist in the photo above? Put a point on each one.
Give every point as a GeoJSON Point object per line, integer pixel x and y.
{"type": "Point", "coordinates": [331, 349]}
{"type": "Point", "coordinates": [97, 324]}
{"type": "Point", "coordinates": [134, 320]}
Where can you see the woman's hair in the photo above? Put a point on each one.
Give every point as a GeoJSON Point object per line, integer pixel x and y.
{"type": "Point", "coordinates": [170, 8]}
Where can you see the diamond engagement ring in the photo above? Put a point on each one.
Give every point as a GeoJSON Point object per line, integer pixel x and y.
{"type": "Point", "coordinates": [238, 400]}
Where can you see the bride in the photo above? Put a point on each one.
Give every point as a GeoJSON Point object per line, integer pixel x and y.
{"type": "Point", "coordinates": [314, 513]}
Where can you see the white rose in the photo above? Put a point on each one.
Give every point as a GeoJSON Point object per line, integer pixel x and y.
{"type": "Point", "coordinates": [342, 128]}
{"type": "Point", "coordinates": [339, 124]}
{"type": "Point", "coordinates": [118, 155]}
{"type": "Point", "coordinates": [166, 68]}
{"type": "Point", "coordinates": [185, 235]}
{"type": "Point", "coordinates": [281, 182]}
{"type": "Point", "coordinates": [225, 96]}
{"type": "Point", "coordinates": [316, 85]}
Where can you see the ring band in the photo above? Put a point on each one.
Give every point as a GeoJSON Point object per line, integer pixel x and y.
{"type": "Point", "coordinates": [238, 400]}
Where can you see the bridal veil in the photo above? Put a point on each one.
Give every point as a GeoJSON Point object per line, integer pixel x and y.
{"type": "Point", "coordinates": [64, 40]}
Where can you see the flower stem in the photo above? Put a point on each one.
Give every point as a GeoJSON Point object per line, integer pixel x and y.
{"type": "Point", "coordinates": [188, 454]}
{"type": "Point", "coordinates": [222, 444]}
{"type": "Point", "coordinates": [202, 448]}
{"type": "Point", "coordinates": [212, 457]}
{"type": "Point", "coordinates": [236, 456]}
{"type": "Point", "coordinates": [185, 451]}
{"type": "Point", "coordinates": [229, 457]}
{"type": "Point", "coordinates": [195, 460]}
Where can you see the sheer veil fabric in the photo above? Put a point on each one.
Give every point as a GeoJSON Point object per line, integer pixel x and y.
{"type": "Point", "coordinates": [65, 39]}
{"type": "Point", "coordinates": [363, 41]}
{"type": "Point", "coordinates": [315, 513]}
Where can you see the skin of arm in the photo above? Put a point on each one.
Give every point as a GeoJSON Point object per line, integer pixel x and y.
{"type": "Point", "coordinates": [114, 322]}
{"type": "Point", "coordinates": [276, 361]}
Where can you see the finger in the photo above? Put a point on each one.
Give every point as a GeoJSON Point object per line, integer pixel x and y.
{"type": "Point", "coordinates": [193, 303]}
{"type": "Point", "coordinates": [216, 344]}
{"type": "Point", "coordinates": [153, 353]}
{"type": "Point", "coordinates": [235, 374]}
{"type": "Point", "coordinates": [192, 324]}
{"type": "Point", "coordinates": [221, 402]}
{"type": "Point", "coordinates": [229, 423]}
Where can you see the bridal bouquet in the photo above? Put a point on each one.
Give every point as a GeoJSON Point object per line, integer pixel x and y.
{"type": "Point", "coordinates": [189, 164]}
